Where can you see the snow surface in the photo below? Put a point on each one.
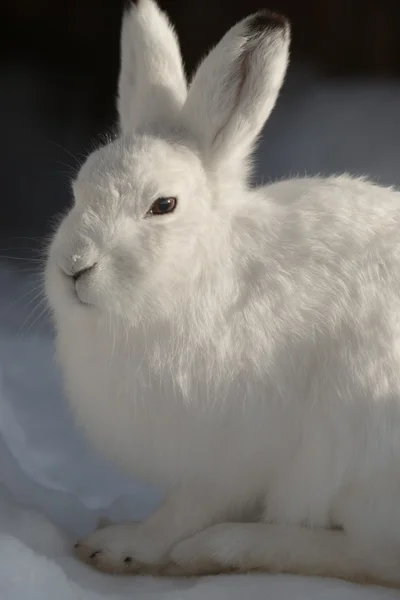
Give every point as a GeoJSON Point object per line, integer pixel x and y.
{"type": "Point", "coordinates": [53, 487]}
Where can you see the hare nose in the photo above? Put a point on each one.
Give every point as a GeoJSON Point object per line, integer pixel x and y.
{"type": "Point", "coordinates": [77, 274]}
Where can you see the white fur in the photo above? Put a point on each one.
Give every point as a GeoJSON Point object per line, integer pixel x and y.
{"type": "Point", "coordinates": [243, 350]}
{"type": "Point", "coordinates": [152, 83]}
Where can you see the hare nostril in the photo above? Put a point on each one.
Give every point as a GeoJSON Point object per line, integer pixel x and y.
{"type": "Point", "coordinates": [75, 276]}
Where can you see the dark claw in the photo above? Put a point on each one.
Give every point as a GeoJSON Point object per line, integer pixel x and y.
{"type": "Point", "coordinates": [94, 554]}
{"type": "Point", "coordinates": [128, 560]}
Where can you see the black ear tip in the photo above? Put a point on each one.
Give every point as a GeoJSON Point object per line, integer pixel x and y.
{"type": "Point", "coordinates": [267, 19]}
{"type": "Point", "coordinates": [128, 5]}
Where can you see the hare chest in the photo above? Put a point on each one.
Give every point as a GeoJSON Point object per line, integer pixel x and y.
{"type": "Point", "coordinates": [143, 422]}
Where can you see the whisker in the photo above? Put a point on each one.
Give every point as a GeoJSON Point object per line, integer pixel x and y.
{"type": "Point", "coordinates": [38, 305]}
{"type": "Point", "coordinates": [19, 249]}
{"type": "Point", "coordinates": [38, 289]}
{"type": "Point", "coordinates": [26, 237]}
{"type": "Point", "coordinates": [36, 297]}
{"type": "Point", "coordinates": [27, 259]}
{"type": "Point", "coordinates": [40, 315]}
{"type": "Point", "coordinates": [79, 156]}
{"type": "Point", "coordinates": [35, 270]}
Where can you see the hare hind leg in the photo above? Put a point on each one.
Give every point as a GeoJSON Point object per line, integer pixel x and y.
{"type": "Point", "coordinates": [249, 547]}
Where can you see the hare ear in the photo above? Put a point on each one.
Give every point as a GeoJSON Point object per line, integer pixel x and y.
{"type": "Point", "coordinates": [152, 83]}
{"type": "Point", "coordinates": [236, 86]}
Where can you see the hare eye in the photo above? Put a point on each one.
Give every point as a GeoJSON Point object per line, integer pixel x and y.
{"type": "Point", "coordinates": [163, 206]}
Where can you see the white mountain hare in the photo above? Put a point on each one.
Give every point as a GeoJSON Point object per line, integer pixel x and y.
{"type": "Point", "coordinates": [239, 346]}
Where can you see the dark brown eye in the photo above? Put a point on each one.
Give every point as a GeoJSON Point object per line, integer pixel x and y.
{"type": "Point", "coordinates": [163, 206]}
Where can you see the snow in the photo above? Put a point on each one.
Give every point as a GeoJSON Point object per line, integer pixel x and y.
{"type": "Point", "coordinates": [36, 564]}
{"type": "Point", "coordinates": [53, 487]}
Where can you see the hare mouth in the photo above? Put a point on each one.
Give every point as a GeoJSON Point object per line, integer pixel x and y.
{"type": "Point", "coordinates": [81, 300]}
{"type": "Point", "coordinates": [72, 289]}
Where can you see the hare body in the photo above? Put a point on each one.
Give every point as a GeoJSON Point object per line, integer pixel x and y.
{"type": "Point", "coordinates": [243, 349]}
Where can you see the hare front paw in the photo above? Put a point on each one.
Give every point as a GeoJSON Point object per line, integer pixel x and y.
{"type": "Point", "coordinates": [120, 549]}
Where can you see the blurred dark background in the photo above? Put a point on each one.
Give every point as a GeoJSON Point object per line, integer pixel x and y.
{"type": "Point", "coordinates": [59, 64]}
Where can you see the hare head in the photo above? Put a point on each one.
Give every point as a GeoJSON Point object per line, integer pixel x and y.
{"type": "Point", "coordinates": [152, 209]}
